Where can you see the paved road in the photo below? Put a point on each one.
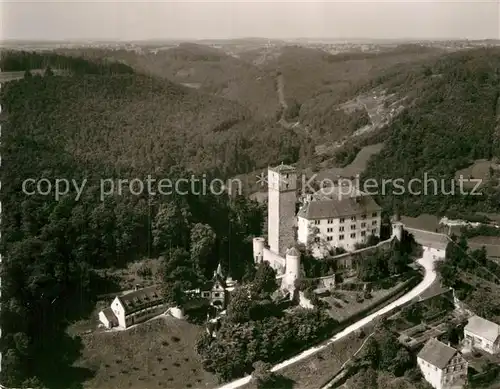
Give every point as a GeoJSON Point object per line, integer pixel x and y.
{"type": "Point", "coordinates": [427, 261]}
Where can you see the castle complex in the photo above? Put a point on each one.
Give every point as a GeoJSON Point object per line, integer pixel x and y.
{"type": "Point", "coordinates": [333, 217]}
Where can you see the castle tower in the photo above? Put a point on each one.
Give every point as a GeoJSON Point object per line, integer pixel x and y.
{"type": "Point", "coordinates": [397, 227]}
{"type": "Point", "coordinates": [292, 269]}
{"type": "Point", "coordinates": [282, 197]}
{"type": "Point", "coordinates": [258, 249]}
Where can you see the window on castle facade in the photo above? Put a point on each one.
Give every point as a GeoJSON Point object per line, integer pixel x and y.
{"type": "Point", "coordinates": [363, 225]}
{"type": "Point", "coordinates": [353, 235]}
{"type": "Point", "coordinates": [353, 227]}
{"type": "Point", "coordinates": [341, 229]}
{"type": "Point", "coordinates": [330, 221]}
{"type": "Point", "coordinates": [341, 237]}
{"type": "Point", "coordinates": [317, 222]}
{"type": "Point", "coordinates": [374, 223]}
{"type": "Point", "coordinates": [341, 220]}
{"type": "Point", "coordinates": [329, 230]}
{"type": "Point", "coordinates": [329, 238]}
{"type": "Point", "coordinates": [363, 216]}
{"type": "Point", "coordinates": [374, 214]}
{"type": "Point", "coordinates": [363, 233]}
{"type": "Point", "coordinates": [353, 218]}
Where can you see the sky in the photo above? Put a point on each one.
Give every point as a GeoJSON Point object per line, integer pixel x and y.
{"type": "Point", "coordinates": [146, 20]}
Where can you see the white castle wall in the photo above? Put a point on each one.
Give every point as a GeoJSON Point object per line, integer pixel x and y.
{"type": "Point", "coordinates": [277, 262]}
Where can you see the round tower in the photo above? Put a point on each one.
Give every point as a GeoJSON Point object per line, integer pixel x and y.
{"type": "Point", "coordinates": [397, 227]}
{"type": "Point", "coordinates": [258, 249]}
{"type": "Point", "coordinates": [292, 268]}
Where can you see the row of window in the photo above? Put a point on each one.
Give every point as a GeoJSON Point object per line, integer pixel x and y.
{"type": "Point", "coordinates": [342, 220]}
{"type": "Point", "coordinates": [341, 237]}
{"type": "Point", "coordinates": [353, 226]}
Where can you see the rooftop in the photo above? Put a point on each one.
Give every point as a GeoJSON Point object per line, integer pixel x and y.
{"type": "Point", "coordinates": [333, 208]}
{"type": "Point", "coordinates": [437, 353]}
{"type": "Point", "coordinates": [337, 192]}
{"type": "Point", "coordinates": [141, 298]}
{"type": "Point", "coordinates": [283, 168]}
{"type": "Point", "coordinates": [483, 328]}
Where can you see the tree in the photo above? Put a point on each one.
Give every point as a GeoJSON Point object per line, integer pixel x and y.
{"type": "Point", "coordinates": [170, 227]}
{"type": "Point", "coordinates": [262, 374]}
{"type": "Point", "coordinates": [371, 352]}
{"type": "Point", "coordinates": [48, 72]}
{"type": "Point", "coordinates": [238, 309]}
{"type": "Point", "coordinates": [264, 283]}
{"type": "Point", "coordinates": [401, 362]}
{"type": "Point", "coordinates": [203, 240]}
{"type": "Point", "coordinates": [413, 313]}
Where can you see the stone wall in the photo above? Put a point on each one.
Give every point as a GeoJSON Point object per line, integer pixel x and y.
{"type": "Point", "coordinates": [275, 260]}
{"type": "Point", "coordinates": [349, 260]}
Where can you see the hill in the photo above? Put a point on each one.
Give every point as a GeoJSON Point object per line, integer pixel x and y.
{"type": "Point", "coordinates": [206, 68]}
{"type": "Point", "coordinates": [89, 127]}
{"type": "Point", "coordinates": [450, 120]}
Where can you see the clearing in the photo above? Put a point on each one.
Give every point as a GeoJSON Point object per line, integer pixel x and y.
{"type": "Point", "coordinates": [156, 354]}
{"type": "Point", "coordinates": [480, 169]}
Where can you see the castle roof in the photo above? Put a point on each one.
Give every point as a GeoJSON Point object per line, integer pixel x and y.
{"type": "Point", "coordinates": [437, 353]}
{"type": "Point", "coordinates": [337, 192]}
{"type": "Point", "coordinates": [334, 208]}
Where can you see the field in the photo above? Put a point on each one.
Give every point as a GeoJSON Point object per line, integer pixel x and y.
{"type": "Point", "coordinates": [355, 168]}
{"type": "Point", "coordinates": [156, 354]}
{"type": "Point", "coordinates": [491, 243]}
{"type": "Point", "coordinates": [320, 367]}
{"type": "Point", "coordinates": [343, 303]}
{"type": "Point", "coordinates": [479, 170]}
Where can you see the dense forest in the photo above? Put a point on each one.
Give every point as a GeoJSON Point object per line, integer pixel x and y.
{"type": "Point", "coordinates": [451, 121]}
{"type": "Point", "coordinates": [65, 127]}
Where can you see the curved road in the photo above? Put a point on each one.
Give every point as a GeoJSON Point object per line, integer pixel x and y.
{"type": "Point", "coordinates": [430, 256]}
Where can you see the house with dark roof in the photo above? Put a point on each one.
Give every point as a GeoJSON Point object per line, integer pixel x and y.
{"type": "Point", "coordinates": [442, 366]}
{"type": "Point", "coordinates": [143, 304]}
{"type": "Point", "coordinates": [337, 216]}
{"type": "Point", "coordinates": [482, 334]}
{"type": "Point", "coordinates": [138, 306]}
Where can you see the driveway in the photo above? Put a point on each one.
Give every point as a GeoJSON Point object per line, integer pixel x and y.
{"type": "Point", "coordinates": [427, 261]}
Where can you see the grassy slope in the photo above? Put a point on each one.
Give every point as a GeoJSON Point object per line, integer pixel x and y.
{"type": "Point", "coordinates": [157, 354]}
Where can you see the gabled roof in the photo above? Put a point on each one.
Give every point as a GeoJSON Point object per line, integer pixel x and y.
{"type": "Point", "coordinates": [337, 192]}
{"type": "Point", "coordinates": [142, 298]}
{"type": "Point", "coordinates": [483, 328]}
{"type": "Point", "coordinates": [429, 239]}
{"type": "Point", "coordinates": [350, 206]}
{"type": "Point", "coordinates": [109, 314]}
{"type": "Point", "coordinates": [282, 168]}
{"type": "Point", "coordinates": [437, 353]}
{"type": "Point", "coordinates": [293, 251]}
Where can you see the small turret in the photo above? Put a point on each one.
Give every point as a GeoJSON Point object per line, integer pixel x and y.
{"type": "Point", "coordinates": [292, 269]}
{"type": "Point", "coordinates": [258, 249]}
{"type": "Point", "coordinates": [397, 227]}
